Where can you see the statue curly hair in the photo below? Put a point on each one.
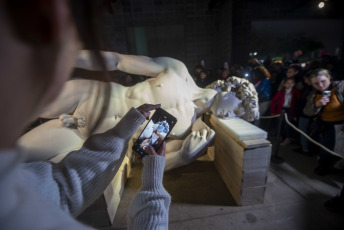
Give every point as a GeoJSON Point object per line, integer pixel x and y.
{"type": "Point", "coordinates": [243, 105]}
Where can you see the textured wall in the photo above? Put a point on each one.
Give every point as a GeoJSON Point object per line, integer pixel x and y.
{"type": "Point", "coordinates": [217, 35]}
{"type": "Point", "coordinates": [207, 34]}
{"type": "Point", "coordinates": [245, 11]}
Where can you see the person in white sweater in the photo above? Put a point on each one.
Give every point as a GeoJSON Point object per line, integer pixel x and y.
{"type": "Point", "coordinates": [39, 43]}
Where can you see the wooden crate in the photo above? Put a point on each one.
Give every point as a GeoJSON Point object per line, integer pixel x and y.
{"type": "Point", "coordinates": [242, 157]}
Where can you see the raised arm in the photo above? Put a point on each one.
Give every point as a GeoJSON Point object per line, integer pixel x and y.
{"type": "Point", "coordinates": [132, 64]}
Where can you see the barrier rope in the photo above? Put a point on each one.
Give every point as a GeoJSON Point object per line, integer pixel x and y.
{"type": "Point", "coordinates": [304, 134]}
{"type": "Point", "coordinates": [268, 117]}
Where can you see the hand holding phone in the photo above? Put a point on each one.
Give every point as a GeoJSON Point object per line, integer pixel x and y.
{"type": "Point", "coordinates": [146, 108]}
{"type": "Point", "coordinates": [161, 152]}
{"type": "Point", "coordinates": [326, 94]}
{"type": "Point", "coordinates": [155, 132]}
{"type": "Point", "coordinates": [324, 99]}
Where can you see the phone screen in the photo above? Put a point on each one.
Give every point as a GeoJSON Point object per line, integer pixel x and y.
{"type": "Point", "coordinates": [155, 132]}
{"type": "Point", "coordinates": [326, 93]}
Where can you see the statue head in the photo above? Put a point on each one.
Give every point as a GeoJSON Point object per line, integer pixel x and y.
{"type": "Point", "coordinates": [236, 97]}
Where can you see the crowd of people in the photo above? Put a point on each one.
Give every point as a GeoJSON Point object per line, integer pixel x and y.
{"type": "Point", "coordinates": [312, 97]}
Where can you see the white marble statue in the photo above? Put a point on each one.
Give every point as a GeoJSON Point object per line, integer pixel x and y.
{"type": "Point", "coordinates": [170, 85]}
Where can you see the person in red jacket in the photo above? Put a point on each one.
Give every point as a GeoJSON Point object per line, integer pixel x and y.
{"type": "Point", "coordinates": [285, 99]}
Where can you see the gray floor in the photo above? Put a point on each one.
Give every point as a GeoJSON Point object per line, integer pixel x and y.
{"type": "Point", "coordinates": [200, 200]}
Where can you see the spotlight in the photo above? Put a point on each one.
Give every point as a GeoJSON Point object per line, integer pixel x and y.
{"type": "Point", "coordinates": [321, 5]}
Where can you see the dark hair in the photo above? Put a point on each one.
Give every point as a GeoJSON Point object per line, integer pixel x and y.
{"type": "Point", "coordinates": [285, 80]}
{"type": "Point", "coordinates": [295, 68]}
{"type": "Point", "coordinates": [288, 78]}
{"type": "Point", "coordinates": [277, 64]}
{"type": "Point", "coordinates": [86, 15]}
{"type": "Point", "coordinates": [261, 73]}
{"type": "Point", "coordinates": [314, 65]}
{"type": "Point", "coordinates": [199, 67]}
{"type": "Point", "coordinates": [205, 71]}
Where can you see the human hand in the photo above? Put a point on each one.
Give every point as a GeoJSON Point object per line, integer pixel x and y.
{"type": "Point", "coordinates": [161, 152]}
{"type": "Point", "coordinates": [322, 102]}
{"type": "Point", "coordinates": [145, 108]}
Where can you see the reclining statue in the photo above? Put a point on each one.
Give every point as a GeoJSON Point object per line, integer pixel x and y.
{"type": "Point", "coordinates": [170, 84]}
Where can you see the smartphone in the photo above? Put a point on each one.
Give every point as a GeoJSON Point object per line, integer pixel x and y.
{"type": "Point", "coordinates": [155, 132]}
{"type": "Point", "coordinates": [326, 94]}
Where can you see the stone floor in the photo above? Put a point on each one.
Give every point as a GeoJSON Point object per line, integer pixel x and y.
{"type": "Point", "coordinates": [200, 200]}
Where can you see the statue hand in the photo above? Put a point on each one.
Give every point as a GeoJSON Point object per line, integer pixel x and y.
{"type": "Point", "coordinates": [145, 108]}
{"type": "Point", "coordinates": [196, 144]}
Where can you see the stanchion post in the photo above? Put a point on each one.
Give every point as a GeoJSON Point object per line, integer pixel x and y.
{"type": "Point", "coordinates": [275, 158]}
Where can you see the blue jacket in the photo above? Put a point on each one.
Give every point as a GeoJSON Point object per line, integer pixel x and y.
{"type": "Point", "coordinates": [264, 90]}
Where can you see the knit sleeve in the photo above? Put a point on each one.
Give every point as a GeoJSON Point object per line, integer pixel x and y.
{"type": "Point", "coordinates": [78, 180]}
{"type": "Point", "coordinates": [149, 208]}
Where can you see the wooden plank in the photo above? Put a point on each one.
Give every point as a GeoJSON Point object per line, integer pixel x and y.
{"type": "Point", "coordinates": [242, 177]}
{"type": "Point", "coordinates": [209, 156]}
{"type": "Point", "coordinates": [245, 170]}
{"type": "Point", "coordinates": [233, 189]}
{"type": "Point", "coordinates": [230, 168]}
{"type": "Point", "coordinates": [229, 147]}
{"type": "Point", "coordinates": [251, 144]}
{"type": "Point", "coordinates": [242, 196]}
{"type": "Point", "coordinates": [250, 158]}
{"type": "Point", "coordinates": [254, 177]}
{"type": "Point", "coordinates": [256, 158]}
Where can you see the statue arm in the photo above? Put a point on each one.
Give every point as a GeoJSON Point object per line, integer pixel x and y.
{"type": "Point", "coordinates": [140, 65]}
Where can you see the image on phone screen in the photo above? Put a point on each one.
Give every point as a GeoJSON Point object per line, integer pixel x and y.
{"type": "Point", "coordinates": [326, 93]}
{"type": "Point", "coordinates": [155, 132]}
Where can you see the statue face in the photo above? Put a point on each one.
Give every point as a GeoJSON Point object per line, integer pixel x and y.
{"type": "Point", "coordinates": [236, 97]}
{"type": "Point", "coordinates": [225, 104]}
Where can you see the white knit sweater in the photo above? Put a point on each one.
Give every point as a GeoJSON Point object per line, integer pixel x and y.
{"type": "Point", "coordinates": [150, 204]}
{"type": "Point", "coordinates": [43, 195]}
